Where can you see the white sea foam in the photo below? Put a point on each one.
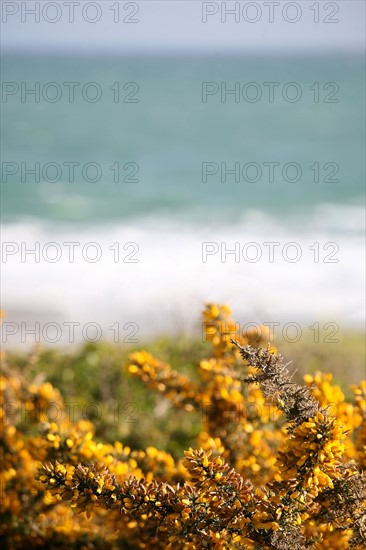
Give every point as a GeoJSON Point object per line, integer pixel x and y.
{"type": "Point", "coordinates": [165, 290]}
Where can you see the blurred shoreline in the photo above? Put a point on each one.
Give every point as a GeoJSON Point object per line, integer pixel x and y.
{"type": "Point", "coordinates": [158, 273]}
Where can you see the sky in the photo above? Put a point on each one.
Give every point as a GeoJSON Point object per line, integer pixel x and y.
{"type": "Point", "coordinates": [182, 25]}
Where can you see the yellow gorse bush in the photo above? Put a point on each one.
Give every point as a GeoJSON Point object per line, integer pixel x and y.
{"type": "Point", "coordinates": [277, 465]}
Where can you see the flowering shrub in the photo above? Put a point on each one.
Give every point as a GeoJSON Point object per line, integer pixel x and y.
{"type": "Point", "coordinates": [276, 465]}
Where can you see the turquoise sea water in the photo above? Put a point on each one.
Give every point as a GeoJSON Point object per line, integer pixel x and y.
{"type": "Point", "coordinates": [170, 132]}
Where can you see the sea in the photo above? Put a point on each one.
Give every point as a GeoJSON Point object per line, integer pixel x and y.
{"type": "Point", "coordinates": [136, 189]}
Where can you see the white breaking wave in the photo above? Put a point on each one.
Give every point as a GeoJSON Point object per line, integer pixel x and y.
{"type": "Point", "coordinates": [153, 276]}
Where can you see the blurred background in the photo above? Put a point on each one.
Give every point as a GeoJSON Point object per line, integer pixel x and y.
{"type": "Point", "coordinates": [148, 126]}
